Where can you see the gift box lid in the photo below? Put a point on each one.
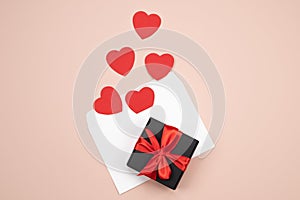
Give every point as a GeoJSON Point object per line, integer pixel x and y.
{"type": "Point", "coordinates": [179, 154]}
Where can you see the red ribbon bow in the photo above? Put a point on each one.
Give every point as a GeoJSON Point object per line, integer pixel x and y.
{"type": "Point", "coordinates": [158, 163]}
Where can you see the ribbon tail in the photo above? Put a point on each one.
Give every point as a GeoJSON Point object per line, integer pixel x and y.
{"type": "Point", "coordinates": [164, 170]}
{"type": "Point", "coordinates": [150, 168]}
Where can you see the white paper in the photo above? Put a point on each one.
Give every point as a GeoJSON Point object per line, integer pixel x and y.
{"type": "Point", "coordinates": [115, 141]}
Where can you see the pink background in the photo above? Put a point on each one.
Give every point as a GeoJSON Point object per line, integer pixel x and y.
{"type": "Point", "coordinates": [255, 45]}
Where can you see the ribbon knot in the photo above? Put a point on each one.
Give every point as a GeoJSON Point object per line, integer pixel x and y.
{"type": "Point", "coordinates": [158, 164]}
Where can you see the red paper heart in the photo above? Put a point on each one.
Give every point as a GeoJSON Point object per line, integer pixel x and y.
{"type": "Point", "coordinates": [109, 102]}
{"type": "Point", "coordinates": [159, 66]}
{"type": "Point", "coordinates": [121, 61]}
{"type": "Point", "coordinates": [145, 25]}
{"type": "Point", "coordinates": [140, 100]}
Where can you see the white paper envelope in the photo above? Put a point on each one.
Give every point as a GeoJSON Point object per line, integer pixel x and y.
{"type": "Point", "coordinates": [115, 135]}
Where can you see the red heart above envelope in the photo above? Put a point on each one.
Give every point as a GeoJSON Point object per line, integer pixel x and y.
{"type": "Point", "coordinates": [159, 66]}
{"type": "Point", "coordinates": [145, 25]}
{"type": "Point", "coordinates": [109, 102]}
{"type": "Point", "coordinates": [140, 100]}
{"type": "Point", "coordinates": [121, 61]}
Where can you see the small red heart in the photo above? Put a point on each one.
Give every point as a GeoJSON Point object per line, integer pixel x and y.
{"type": "Point", "coordinates": [159, 66]}
{"type": "Point", "coordinates": [140, 100]}
{"type": "Point", "coordinates": [145, 25]}
{"type": "Point", "coordinates": [121, 61]}
{"type": "Point", "coordinates": [109, 102]}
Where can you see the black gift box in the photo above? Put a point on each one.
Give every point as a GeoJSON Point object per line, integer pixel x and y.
{"type": "Point", "coordinates": [185, 147]}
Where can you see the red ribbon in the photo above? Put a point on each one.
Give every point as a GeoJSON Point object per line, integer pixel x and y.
{"type": "Point", "coordinates": [158, 163]}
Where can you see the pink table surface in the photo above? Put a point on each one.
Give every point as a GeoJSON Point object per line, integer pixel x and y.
{"type": "Point", "coordinates": [255, 45]}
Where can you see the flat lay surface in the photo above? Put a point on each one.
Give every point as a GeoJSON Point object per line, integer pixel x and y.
{"type": "Point", "coordinates": [254, 45]}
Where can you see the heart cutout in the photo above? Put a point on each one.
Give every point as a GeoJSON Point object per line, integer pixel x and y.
{"type": "Point", "coordinates": [145, 25]}
{"type": "Point", "coordinates": [159, 66]}
{"type": "Point", "coordinates": [140, 100]}
{"type": "Point", "coordinates": [121, 61]}
{"type": "Point", "coordinates": [109, 102]}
